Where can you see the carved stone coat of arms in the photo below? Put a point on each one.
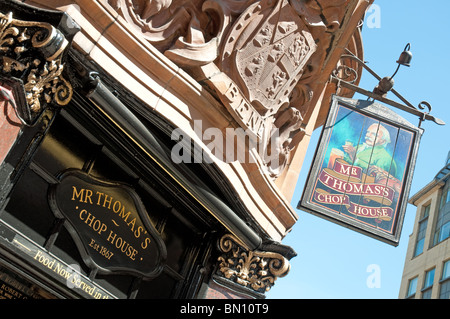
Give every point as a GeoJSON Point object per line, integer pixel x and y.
{"type": "Point", "coordinates": [268, 63]}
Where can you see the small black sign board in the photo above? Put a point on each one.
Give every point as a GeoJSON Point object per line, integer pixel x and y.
{"type": "Point", "coordinates": [109, 225]}
{"type": "Point", "coordinates": [362, 170]}
{"type": "Point", "coordinates": [13, 286]}
{"type": "Point", "coordinates": [68, 275]}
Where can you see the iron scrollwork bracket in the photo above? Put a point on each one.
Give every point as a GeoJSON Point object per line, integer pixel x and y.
{"type": "Point", "coordinates": [384, 86]}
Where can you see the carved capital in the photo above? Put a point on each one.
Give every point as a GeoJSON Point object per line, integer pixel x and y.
{"type": "Point", "coordinates": [257, 270]}
{"type": "Point", "coordinates": [32, 52]}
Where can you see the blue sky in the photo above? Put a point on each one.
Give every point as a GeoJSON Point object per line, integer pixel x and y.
{"type": "Point", "coordinates": [334, 262]}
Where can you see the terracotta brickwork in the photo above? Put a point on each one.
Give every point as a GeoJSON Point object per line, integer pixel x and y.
{"type": "Point", "coordinates": [215, 291]}
{"type": "Point", "coordinates": [9, 122]}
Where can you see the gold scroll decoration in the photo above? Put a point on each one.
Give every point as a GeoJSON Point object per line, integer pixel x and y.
{"type": "Point", "coordinates": [32, 52]}
{"type": "Point", "coordinates": [257, 270]}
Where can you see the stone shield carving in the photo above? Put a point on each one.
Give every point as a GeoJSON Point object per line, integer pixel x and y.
{"type": "Point", "coordinates": [266, 52]}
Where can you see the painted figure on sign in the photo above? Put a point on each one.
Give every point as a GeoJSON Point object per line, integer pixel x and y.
{"type": "Point", "coordinates": [372, 154]}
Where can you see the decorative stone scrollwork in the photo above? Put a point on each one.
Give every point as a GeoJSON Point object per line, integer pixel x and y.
{"type": "Point", "coordinates": [258, 57]}
{"type": "Point", "coordinates": [187, 31]}
{"type": "Point", "coordinates": [287, 125]}
{"type": "Point", "coordinates": [32, 52]}
{"type": "Point", "coordinates": [257, 270]}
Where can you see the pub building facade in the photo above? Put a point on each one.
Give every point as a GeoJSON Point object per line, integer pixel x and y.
{"type": "Point", "coordinates": [150, 149]}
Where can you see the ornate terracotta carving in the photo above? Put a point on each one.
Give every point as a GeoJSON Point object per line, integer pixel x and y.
{"type": "Point", "coordinates": [265, 53]}
{"type": "Point", "coordinates": [257, 270]}
{"type": "Point", "coordinates": [287, 124]}
{"type": "Point", "coordinates": [186, 31]}
{"type": "Point", "coordinates": [259, 57]}
{"type": "Point", "coordinates": [32, 52]}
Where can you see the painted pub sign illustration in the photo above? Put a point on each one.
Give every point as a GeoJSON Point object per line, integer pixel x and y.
{"type": "Point", "coordinates": [362, 170]}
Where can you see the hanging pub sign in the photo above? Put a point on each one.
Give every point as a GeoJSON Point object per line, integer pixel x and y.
{"type": "Point", "coordinates": [109, 225]}
{"type": "Point", "coordinates": [362, 170]}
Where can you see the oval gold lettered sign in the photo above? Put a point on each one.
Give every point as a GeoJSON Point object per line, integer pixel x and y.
{"type": "Point", "coordinates": [109, 225]}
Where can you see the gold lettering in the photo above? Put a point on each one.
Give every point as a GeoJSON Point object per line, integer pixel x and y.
{"type": "Point", "coordinates": [89, 219]}
{"type": "Point", "coordinates": [122, 245]}
{"type": "Point", "coordinates": [44, 260]}
{"type": "Point", "coordinates": [95, 223]}
{"type": "Point", "coordinates": [137, 232]}
{"type": "Point", "coordinates": [99, 196]}
{"type": "Point", "coordinates": [116, 210]}
{"type": "Point", "coordinates": [77, 194]}
{"type": "Point", "coordinates": [107, 201]}
{"type": "Point", "coordinates": [145, 243]}
{"type": "Point", "coordinates": [83, 195]}
{"type": "Point", "coordinates": [62, 271]}
{"type": "Point", "coordinates": [10, 292]}
{"type": "Point", "coordinates": [132, 223]}
{"type": "Point", "coordinates": [111, 237]}
{"type": "Point", "coordinates": [82, 212]}
{"type": "Point", "coordinates": [68, 275]}
{"type": "Point", "coordinates": [123, 215]}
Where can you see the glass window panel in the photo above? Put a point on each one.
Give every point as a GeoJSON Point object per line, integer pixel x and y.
{"type": "Point", "coordinates": [445, 198]}
{"type": "Point", "coordinates": [419, 247]}
{"type": "Point", "coordinates": [429, 278]}
{"type": "Point", "coordinates": [445, 232]}
{"type": "Point", "coordinates": [426, 294]}
{"type": "Point", "coordinates": [442, 228]}
{"type": "Point", "coordinates": [426, 211]}
{"type": "Point", "coordinates": [446, 270]}
{"type": "Point", "coordinates": [445, 290]}
{"type": "Point", "coordinates": [412, 287]}
{"type": "Point", "coordinates": [28, 209]}
{"type": "Point", "coordinates": [421, 237]}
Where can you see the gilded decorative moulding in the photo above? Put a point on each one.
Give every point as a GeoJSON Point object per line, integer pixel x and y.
{"type": "Point", "coordinates": [257, 270]}
{"type": "Point", "coordinates": [32, 52]}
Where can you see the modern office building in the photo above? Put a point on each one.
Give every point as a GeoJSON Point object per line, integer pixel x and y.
{"type": "Point", "coordinates": [426, 273]}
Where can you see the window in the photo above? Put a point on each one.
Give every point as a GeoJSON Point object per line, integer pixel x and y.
{"type": "Point", "coordinates": [422, 230]}
{"type": "Point", "coordinates": [412, 286]}
{"type": "Point", "coordinates": [68, 146]}
{"type": "Point", "coordinates": [445, 196]}
{"type": "Point", "coordinates": [428, 284]}
{"type": "Point", "coordinates": [445, 281]}
{"type": "Point", "coordinates": [442, 229]}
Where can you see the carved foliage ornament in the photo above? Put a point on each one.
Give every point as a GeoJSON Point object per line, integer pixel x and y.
{"type": "Point", "coordinates": [32, 52]}
{"type": "Point", "coordinates": [257, 270]}
{"type": "Point", "coordinates": [187, 31]}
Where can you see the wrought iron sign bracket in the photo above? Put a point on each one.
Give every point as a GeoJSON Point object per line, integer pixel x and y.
{"type": "Point", "coordinates": [384, 86]}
